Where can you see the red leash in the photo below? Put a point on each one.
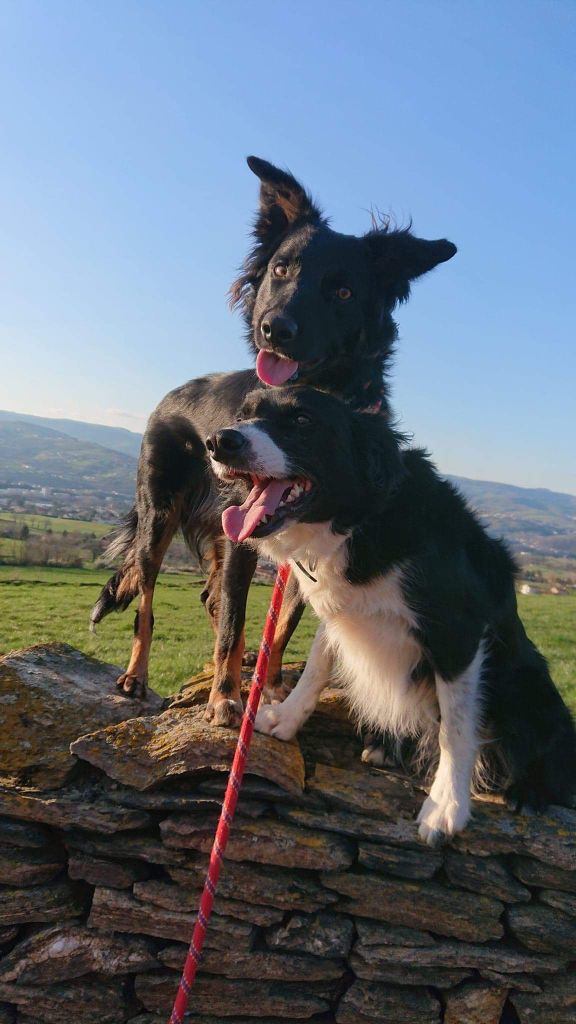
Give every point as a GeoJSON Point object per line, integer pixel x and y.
{"type": "Point", "coordinates": [231, 795]}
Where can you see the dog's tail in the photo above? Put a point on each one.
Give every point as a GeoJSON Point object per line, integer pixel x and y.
{"type": "Point", "coordinates": [122, 587]}
{"type": "Point", "coordinates": [535, 732]}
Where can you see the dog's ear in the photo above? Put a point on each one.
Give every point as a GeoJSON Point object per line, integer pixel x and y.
{"type": "Point", "coordinates": [283, 201]}
{"type": "Point", "coordinates": [398, 257]}
{"type": "Point", "coordinates": [380, 462]}
{"type": "Point", "coordinates": [283, 204]}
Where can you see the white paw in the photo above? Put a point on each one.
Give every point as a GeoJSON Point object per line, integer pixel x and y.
{"type": "Point", "coordinates": [374, 754]}
{"type": "Point", "coordinates": [273, 720]}
{"type": "Point", "coordinates": [441, 817]}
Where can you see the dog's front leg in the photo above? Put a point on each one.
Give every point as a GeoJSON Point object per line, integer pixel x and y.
{"type": "Point", "coordinates": [447, 809]}
{"type": "Point", "coordinates": [284, 720]}
{"type": "Point", "coordinates": [225, 703]}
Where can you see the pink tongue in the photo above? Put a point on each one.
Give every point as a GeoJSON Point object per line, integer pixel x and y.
{"type": "Point", "coordinates": [240, 521]}
{"type": "Point", "coordinates": [274, 370]}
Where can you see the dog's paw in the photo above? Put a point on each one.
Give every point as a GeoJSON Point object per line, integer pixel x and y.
{"type": "Point", "coordinates": [132, 686]}
{"type": "Point", "coordinates": [441, 818]}
{"type": "Point", "coordinates": [374, 753]}
{"type": "Point", "coordinates": [227, 713]}
{"type": "Point", "coordinates": [273, 720]}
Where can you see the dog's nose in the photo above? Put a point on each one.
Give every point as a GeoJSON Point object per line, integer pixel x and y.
{"type": "Point", "coordinates": [279, 329]}
{"type": "Point", "coordinates": [225, 443]}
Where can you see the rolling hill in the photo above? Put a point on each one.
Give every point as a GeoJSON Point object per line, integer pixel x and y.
{"type": "Point", "coordinates": [33, 456]}
{"type": "Point", "coordinates": [117, 438]}
{"type": "Point", "coordinates": [89, 458]}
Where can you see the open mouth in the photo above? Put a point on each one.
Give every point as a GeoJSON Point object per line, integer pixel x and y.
{"type": "Point", "coordinates": [275, 369]}
{"type": "Point", "coordinates": [269, 504]}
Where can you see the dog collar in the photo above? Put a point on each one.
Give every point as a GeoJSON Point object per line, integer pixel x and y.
{"type": "Point", "coordinates": [311, 566]}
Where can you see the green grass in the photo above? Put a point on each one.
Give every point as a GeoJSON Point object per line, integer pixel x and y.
{"type": "Point", "coordinates": [39, 524]}
{"type": "Point", "coordinates": [37, 605]}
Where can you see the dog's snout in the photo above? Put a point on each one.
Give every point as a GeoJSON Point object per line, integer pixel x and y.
{"type": "Point", "coordinates": [279, 330]}
{"type": "Point", "coordinates": [225, 443]}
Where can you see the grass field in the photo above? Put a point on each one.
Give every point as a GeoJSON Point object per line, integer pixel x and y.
{"type": "Point", "coordinates": [57, 524]}
{"type": "Point", "coordinates": [37, 605]}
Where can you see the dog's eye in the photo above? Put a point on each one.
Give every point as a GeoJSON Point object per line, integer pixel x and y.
{"type": "Point", "coordinates": [302, 419]}
{"type": "Point", "coordinates": [280, 270]}
{"type": "Point", "coordinates": [344, 293]}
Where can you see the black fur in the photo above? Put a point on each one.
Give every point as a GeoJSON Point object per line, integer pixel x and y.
{"type": "Point", "coordinates": [457, 580]}
{"type": "Point", "coordinates": [342, 345]}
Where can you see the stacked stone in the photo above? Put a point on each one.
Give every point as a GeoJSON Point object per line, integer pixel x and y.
{"type": "Point", "coordinates": [329, 908]}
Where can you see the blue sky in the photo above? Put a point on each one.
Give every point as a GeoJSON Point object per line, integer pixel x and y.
{"type": "Point", "coordinates": [125, 202]}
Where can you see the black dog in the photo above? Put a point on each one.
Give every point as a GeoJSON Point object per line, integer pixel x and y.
{"type": "Point", "coordinates": [416, 601]}
{"type": "Point", "coordinates": [318, 306]}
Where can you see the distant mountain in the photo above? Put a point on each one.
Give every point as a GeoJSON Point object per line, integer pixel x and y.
{"type": "Point", "coordinates": [89, 458]}
{"type": "Point", "coordinates": [531, 519]}
{"type": "Point", "coordinates": [34, 456]}
{"type": "Point", "coordinates": [116, 438]}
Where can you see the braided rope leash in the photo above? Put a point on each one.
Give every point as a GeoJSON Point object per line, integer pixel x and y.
{"type": "Point", "coordinates": [231, 795]}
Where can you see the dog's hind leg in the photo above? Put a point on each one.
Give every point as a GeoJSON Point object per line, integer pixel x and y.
{"type": "Point", "coordinates": [156, 529]}
{"type": "Point", "coordinates": [212, 592]}
{"type": "Point", "coordinates": [225, 703]}
{"type": "Point", "coordinates": [122, 587]}
{"type": "Point", "coordinates": [290, 615]}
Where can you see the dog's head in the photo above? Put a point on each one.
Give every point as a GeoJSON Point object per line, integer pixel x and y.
{"type": "Point", "coordinates": [303, 456]}
{"type": "Point", "coordinates": [312, 295]}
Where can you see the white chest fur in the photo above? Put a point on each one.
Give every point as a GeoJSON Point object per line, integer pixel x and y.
{"type": "Point", "coordinates": [368, 628]}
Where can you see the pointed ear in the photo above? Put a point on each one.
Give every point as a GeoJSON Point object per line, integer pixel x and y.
{"type": "Point", "coordinates": [399, 257]}
{"type": "Point", "coordinates": [283, 201]}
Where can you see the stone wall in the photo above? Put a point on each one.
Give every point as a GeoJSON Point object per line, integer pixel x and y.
{"type": "Point", "coordinates": [329, 908]}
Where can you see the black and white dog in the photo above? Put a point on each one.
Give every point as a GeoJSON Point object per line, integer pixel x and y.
{"type": "Point", "coordinates": [317, 304]}
{"type": "Point", "coordinates": [417, 603]}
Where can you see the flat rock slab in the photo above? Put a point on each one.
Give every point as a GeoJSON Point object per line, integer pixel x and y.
{"type": "Point", "coordinates": [543, 929]}
{"type": "Point", "coordinates": [367, 959]}
{"type": "Point", "coordinates": [108, 873]}
{"type": "Point", "coordinates": [30, 867]}
{"type": "Point", "coordinates": [24, 835]}
{"type": "Point", "coordinates": [263, 842]}
{"type": "Point", "coordinates": [38, 904]}
{"type": "Point", "coordinates": [114, 910]}
{"type": "Point", "coordinates": [368, 791]}
{"type": "Point", "coordinates": [55, 690]}
{"type": "Point", "coordinates": [91, 1000]}
{"type": "Point", "coordinates": [533, 872]}
{"type": "Point", "coordinates": [373, 1002]}
{"type": "Point", "coordinates": [549, 837]}
{"type": "Point", "coordinates": [193, 1018]}
{"type": "Point", "coordinates": [398, 860]}
{"type": "Point", "coordinates": [375, 933]}
{"type": "Point", "coordinates": [560, 901]}
{"type": "Point", "coordinates": [556, 1004]}
{"type": "Point", "coordinates": [222, 996]}
{"type": "Point", "coordinates": [75, 808]}
{"type": "Point", "coordinates": [261, 885]}
{"type": "Point", "coordinates": [173, 897]}
{"type": "Point", "coordinates": [321, 935]}
{"type": "Point", "coordinates": [421, 905]}
{"type": "Point", "coordinates": [268, 966]}
{"type": "Point", "coordinates": [70, 951]}
{"type": "Point", "coordinates": [475, 1004]}
{"type": "Point", "coordinates": [146, 751]}
{"type": "Point", "coordinates": [136, 847]}
{"type": "Point", "coordinates": [485, 875]}
{"type": "Point", "coordinates": [358, 826]}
